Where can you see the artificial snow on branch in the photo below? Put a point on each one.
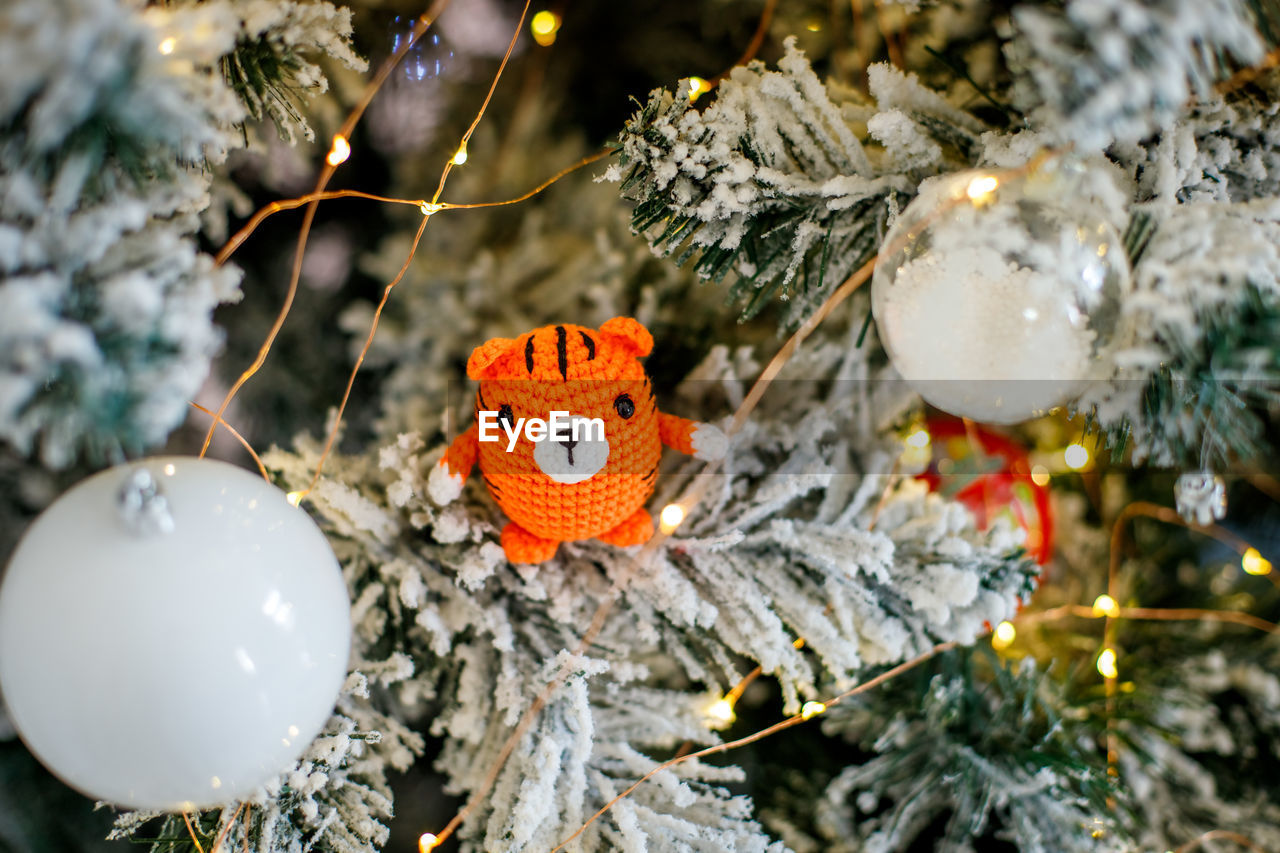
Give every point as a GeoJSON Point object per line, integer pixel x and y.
{"type": "Point", "coordinates": [783, 549]}
{"type": "Point", "coordinates": [1208, 711]}
{"type": "Point", "coordinates": [771, 182]}
{"type": "Point", "coordinates": [336, 798]}
{"type": "Point", "coordinates": [989, 753]}
{"type": "Point", "coordinates": [113, 118]}
{"type": "Point", "coordinates": [1094, 72]}
{"type": "Point", "coordinates": [1202, 362]}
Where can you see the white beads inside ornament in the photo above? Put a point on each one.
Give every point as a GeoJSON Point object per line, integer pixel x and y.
{"type": "Point", "coordinates": [173, 634]}
{"type": "Point", "coordinates": [998, 299]}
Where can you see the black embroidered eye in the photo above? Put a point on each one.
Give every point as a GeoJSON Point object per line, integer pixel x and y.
{"type": "Point", "coordinates": [625, 407]}
{"type": "Point", "coordinates": [506, 416]}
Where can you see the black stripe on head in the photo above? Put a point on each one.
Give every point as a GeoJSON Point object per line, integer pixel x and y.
{"type": "Point", "coordinates": [528, 355]}
{"type": "Point", "coordinates": [480, 403]}
{"type": "Point", "coordinates": [490, 484]}
{"type": "Point", "coordinates": [652, 473]}
{"type": "Point", "coordinates": [562, 352]}
{"type": "Point", "coordinates": [591, 345]}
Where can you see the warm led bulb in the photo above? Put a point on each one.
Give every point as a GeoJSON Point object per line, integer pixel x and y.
{"type": "Point", "coordinates": [1107, 663]}
{"type": "Point", "coordinates": [430, 207]}
{"type": "Point", "coordinates": [722, 711]}
{"type": "Point", "coordinates": [427, 841]}
{"type": "Point", "coordinates": [809, 710]}
{"type": "Point", "coordinates": [980, 188]}
{"type": "Point", "coordinates": [672, 515]}
{"type": "Point", "coordinates": [1105, 605]}
{"type": "Point", "coordinates": [918, 439]}
{"type": "Point", "coordinates": [1076, 456]}
{"type": "Point", "coordinates": [697, 86]}
{"type": "Point", "coordinates": [460, 156]}
{"type": "Point", "coordinates": [294, 498]}
{"type": "Point", "coordinates": [1040, 475]}
{"type": "Point", "coordinates": [340, 150]}
{"type": "Point", "coordinates": [167, 46]}
{"type": "Point", "coordinates": [544, 26]}
{"type": "Point", "coordinates": [1254, 563]}
{"type": "Point", "coordinates": [1003, 636]}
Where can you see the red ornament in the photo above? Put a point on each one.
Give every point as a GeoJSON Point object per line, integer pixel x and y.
{"type": "Point", "coordinates": [991, 475]}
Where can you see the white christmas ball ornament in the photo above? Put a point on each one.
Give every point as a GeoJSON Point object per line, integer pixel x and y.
{"type": "Point", "coordinates": [998, 299]}
{"type": "Point", "coordinates": [173, 634]}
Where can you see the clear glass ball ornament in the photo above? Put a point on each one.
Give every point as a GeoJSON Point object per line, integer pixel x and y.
{"type": "Point", "coordinates": [998, 298]}
{"type": "Point", "coordinates": [173, 634]}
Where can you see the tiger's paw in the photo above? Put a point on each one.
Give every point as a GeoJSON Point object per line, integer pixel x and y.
{"type": "Point", "coordinates": [709, 442]}
{"type": "Point", "coordinates": [636, 529]}
{"type": "Point", "coordinates": [442, 486]}
{"type": "Point", "coordinates": [521, 546]}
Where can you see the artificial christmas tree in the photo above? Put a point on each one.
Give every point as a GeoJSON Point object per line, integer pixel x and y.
{"type": "Point", "coordinates": [817, 649]}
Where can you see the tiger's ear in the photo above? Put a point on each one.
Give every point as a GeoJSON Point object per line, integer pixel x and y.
{"type": "Point", "coordinates": [628, 335]}
{"type": "Point", "coordinates": [484, 357]}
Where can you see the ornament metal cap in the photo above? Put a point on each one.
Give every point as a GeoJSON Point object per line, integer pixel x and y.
{"type": "Point", "coordinates": [142, 504]}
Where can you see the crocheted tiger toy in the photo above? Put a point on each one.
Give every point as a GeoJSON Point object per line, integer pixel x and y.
{"type": "Point", "coordinates": [576, 481]}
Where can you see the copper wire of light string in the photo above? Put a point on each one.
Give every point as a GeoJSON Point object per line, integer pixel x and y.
{"type": "Point", "coordinates": [527, 102]}
{"type": "Point", "coordinates": [1264, 483]}
{"type": "Point", "coordinates": [891, 37]}
{"type": "Point", "coordinates": [229, 248]}
{"type": "Point", "coordinates": [1160, 513]}
{"type": "Point", "coordinates": [1221, 835]}
{"type": "Point", "coordinates": [226, 829]}
{"type": "Point", "coordinates": [222, 836]}
{"type": "Point", "coordinates": [1110, 619]}
{"type": "Point", "coordinates": [290, 204]}
{"type": "Point", "coordinates": [262, 469]}
{"type": "Point", "coordinates": [364, 350]}
{"type": "Point", "coordinates": [735, 694]}
{"type": "Point", "coordinates": [782, 725]}
{"type": "Point", "coordinates": [1161, 614]}
{"type": "Point", "coordinates": [1147, 509]}
{"type": "Point", "coordinates": [640, 561]}
{"type": "Point", "coordinates": [585, 161]}
{"type": "Point", "coordinates": [326, 172]}
{"type": "Point", "coordinates": [890, 482]}
{"type": "Point", "coordinates": [732, 698]}
{"type": "Point", "coordinates": [1110, 681]}
{"type": "Point", "coordinates": [698, 488]}
{"type": "Point", "coordinates": [448, 166]}
{"type": "Point", "coordinates": [336, 427]}
{"type": "Point", "coordinates": [268, 210]}
{"type": "Point", "coordinates": [191, 830]}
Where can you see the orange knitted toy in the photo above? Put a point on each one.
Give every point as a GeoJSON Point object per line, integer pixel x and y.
{"type": "Point", "coordinates": [568, 486]}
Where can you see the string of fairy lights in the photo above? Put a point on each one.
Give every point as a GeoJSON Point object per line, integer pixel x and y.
{"type": "Point", "coordinates": [1076, 456]}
